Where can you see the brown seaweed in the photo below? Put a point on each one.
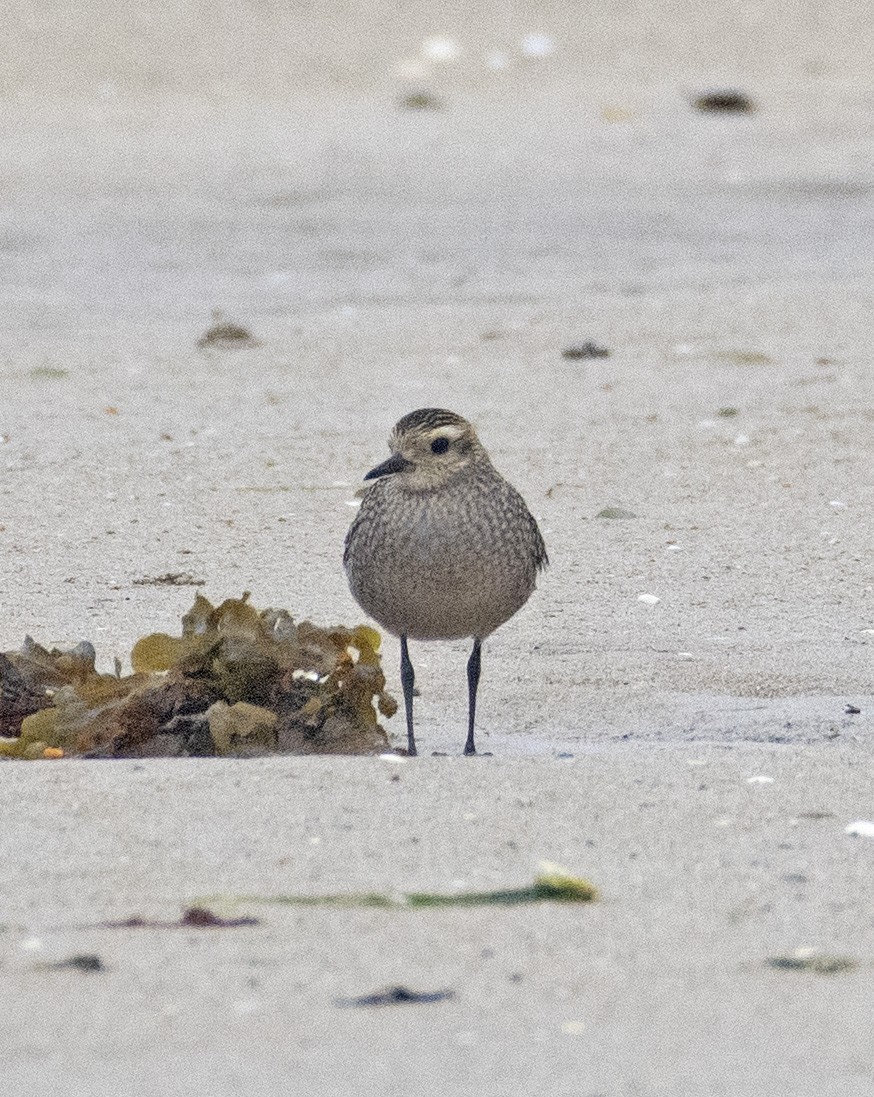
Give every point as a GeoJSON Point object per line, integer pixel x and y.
{"type": "Point", "coordinates": [191, 918]}
{"type": "Point", "coordinates": [237, 681]}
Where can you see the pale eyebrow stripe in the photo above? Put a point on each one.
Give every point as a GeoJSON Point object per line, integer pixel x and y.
{"type": "Point", "coordinates": [452, 433]}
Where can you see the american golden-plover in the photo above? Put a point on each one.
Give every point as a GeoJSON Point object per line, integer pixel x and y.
{"type": "Point", "coordinates": [442, 546]}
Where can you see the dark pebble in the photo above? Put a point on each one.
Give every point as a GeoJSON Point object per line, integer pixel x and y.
{"type": "Point", "coordinates": [394, 996]}
{"type": "Point", "coordinates": [419, 100]}
{"type": "Point", "coordinates": [727, 101]}
{"type": "Point", "coordinates": [585, 350]}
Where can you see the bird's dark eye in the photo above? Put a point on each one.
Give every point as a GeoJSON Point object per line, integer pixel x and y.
{"type": "Point", "coordinates": [440, 445]}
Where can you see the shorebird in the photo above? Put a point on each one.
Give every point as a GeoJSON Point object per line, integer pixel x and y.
{"type": "Point", "coordinates": [442, 547]}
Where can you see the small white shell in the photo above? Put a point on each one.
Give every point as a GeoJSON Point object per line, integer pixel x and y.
{"type": "Point", "coordinates": [537, 45]}
{"type": "Point", "coordinates": [441, 49]}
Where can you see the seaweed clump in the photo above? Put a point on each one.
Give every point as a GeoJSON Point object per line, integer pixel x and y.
{"type": "Point", "coordinates": [238, 681]}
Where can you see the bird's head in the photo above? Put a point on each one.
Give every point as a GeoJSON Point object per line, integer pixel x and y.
{"type": "Point", "coordinates": [428, 448]}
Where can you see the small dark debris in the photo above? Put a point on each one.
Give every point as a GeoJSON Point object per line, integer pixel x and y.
{"type": "Point", "coordinates": [394, 996]}
{"type": "Point", "coordinates": [419, 100]}
{"type": "Point", "coordinates": [226, 335]}
{"type": "Point", "coordinates": [615, 512]}
{"type": "Point", "coordinates": [193, 917]}
{"type": "Point", "coordinates": [724, 101]}
{"type": "Point", "coordinates": [200, 916]}
{"type": "Point", "coordinates": [588, 349]}
{"type": "Point", "coordinates": [727, 413]}
{"type": "Point", "coordinates": [83, 961]}
{"type": "Point", "coordinates": [170, 579]}
{"type": "Point", "coordinates": [818, 964]}
{"type": "Point", "coordinates": [852, 710]}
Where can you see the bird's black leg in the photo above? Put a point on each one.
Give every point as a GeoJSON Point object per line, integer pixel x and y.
{"type": "Point", "coordinates": [473, 665]}
{"type": "Point", "coordinates": [408, 677]}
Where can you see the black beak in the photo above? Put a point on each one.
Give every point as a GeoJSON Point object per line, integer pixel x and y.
{"type": "Point", "coordinates": [395, 463]}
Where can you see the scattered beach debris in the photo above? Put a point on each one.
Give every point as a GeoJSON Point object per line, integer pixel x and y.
{"type": "Point", "coordinates": [201, 918]}
{"type": "Point", "coordinates": [419, 100]}
{"type": "Point", "coordinates": [615, 113]}
{"type": "Point", "coordinates": [552, 883]}
{"type": "Point", "coordinates": [862, 828]}
{"type": "Point", "coordinates": [191, 918]}
{"type": "Point", "coordinates": [589, 349]}
{"type": "Point", "coordinates": [853, 710]}
{"type": "Point", "coordinates": [808, 959]}
{"type": "Point", "coordinates": [83, 961]}
{"type": "Point", "coordinates": [615, 512]}
{"type": "Point", "coordinates": [49, 373]}
{"type": "Point", "coordinates": [727, 413]}
{"type": "Point", "coordinates": [744, 357]}
{"type": "Point", "coordinates": [237, 681]}
{"type": "Point", "coordinates": [226, 335]}
{"type": "Point", "coordinates": [649, 599]}
{"type": "Point", "coordinates": [724, 101]}
{"type": "Point", "coordinates": [170, 579]}
{"type": "Point", "coordinates": [393, 996]}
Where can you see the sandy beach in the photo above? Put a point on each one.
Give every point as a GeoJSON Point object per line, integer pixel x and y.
{"type": "Point", "coordinates": [172, 161]}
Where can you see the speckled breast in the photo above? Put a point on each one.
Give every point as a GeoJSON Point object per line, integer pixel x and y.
{"type": "Point", "coordinates": [441, 566]}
